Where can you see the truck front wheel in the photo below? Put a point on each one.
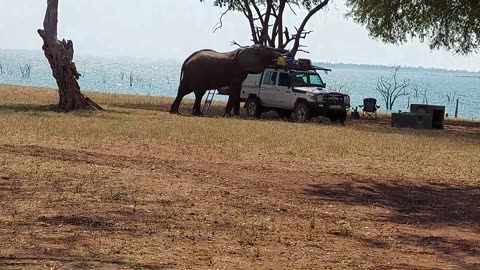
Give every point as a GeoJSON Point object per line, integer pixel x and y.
{"type": "Point", "coordinates": [253, 107]}
{"type": "Point", "coordinates": [301, 113]}
{"type": "Point", "coordinates": [343, 118]}
{"type": "Point", "coordinates": [338, 117]}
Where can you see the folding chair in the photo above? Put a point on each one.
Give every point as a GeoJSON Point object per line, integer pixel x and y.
{"type": "Point", "coordinates": [370, 108]}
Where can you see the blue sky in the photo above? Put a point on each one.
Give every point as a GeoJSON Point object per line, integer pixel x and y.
{"type": "Point", "coordinates": [173, 29]}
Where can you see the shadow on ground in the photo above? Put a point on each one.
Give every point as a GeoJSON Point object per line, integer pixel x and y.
{"type": "Point", "coordinates": [440, 208]}
{"type": "Point", "coordinates": [217, 110]}
{"type": "Point", "coordinates": [29, 108]}
{"type": "Point", "coordinates": [162, 107]}
{"type": "Point", "coordinates": [457, 252]}
{"type": "Point", "coordinates": [409, 204]}
{"type": "Point", "coordinates": [71, 262]}
{"type": "Point", "coordinates": [40, 110]}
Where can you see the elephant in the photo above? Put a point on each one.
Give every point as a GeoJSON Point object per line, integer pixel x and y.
{"type": "Point", "coordinates": [208, 70]}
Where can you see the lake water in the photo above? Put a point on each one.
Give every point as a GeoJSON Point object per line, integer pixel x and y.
{"type": "Point", "coordinates": [160, 78]}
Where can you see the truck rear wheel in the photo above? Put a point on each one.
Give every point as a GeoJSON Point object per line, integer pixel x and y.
{"type": "Point", "coordinates": [253, 107]}
{"type": "Point", "coordinates": [301, 113]}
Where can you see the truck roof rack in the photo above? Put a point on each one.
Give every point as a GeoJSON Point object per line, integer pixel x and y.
{"type": "Point", "coordinates": [300, 64]}
{"type": "Point", "coordinates": [313, 67]}
{"type": "Point", "coordinates": [321, 68]}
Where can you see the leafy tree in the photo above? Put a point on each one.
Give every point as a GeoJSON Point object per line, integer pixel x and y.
{"type": "Point", "coordinates": [449, 24]}
{"type": "Point", "coordinates": [266, 20]}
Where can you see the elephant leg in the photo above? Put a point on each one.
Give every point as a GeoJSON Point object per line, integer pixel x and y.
{"type": "Point", "coordinates": [236, 108]}
{"type": "Point", "coordinates": [233, 101]}
{"type": "Point", "coordinates": [182, 92]}
{"type": "Point", "coordinates": [197, 111]}
{"type": "Point", "coordinates": [228, 108]}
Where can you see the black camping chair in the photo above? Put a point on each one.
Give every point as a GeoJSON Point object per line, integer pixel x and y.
{"type": "Point", "coordinates": [370, 108]}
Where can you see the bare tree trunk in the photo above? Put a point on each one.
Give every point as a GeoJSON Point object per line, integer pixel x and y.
{"type": "Point", "coordinates": [60, 56]}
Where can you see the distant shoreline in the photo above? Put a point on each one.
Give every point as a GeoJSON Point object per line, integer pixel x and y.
{"type": "Point", "coordinates": [402, 68]}
{"type": "Point", "coordinates": [321, 63]}
{"type": "Point", "coordinates": [468, 121]}
{"type": "Point", "coordinates": [160, 78]}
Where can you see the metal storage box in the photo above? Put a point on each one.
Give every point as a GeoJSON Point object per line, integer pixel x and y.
{"type": "Point", "coordinates": [421, 116]}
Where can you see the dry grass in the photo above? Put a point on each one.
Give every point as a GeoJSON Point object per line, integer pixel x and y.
{"type": "Point", "coordinates": [137, 187]}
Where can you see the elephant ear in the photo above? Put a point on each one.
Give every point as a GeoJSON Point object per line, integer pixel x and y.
{"type": "Point", "coordinates": [250, 60]}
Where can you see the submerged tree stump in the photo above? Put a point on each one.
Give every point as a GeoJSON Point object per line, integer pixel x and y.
{"type": "Point", "coordinates": [60, 56]}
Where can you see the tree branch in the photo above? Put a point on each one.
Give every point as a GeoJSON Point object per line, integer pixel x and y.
{"type": "Point", "coordinates": [234, 43]}
{"type": "Point", "coordinates": [278, 26]}
{"type": "Point", "coordinates": [220, 23]}
{"type": "Point", "coordinates": [249, 15]}
{"type": "Point", "coordinates": [301, 29]}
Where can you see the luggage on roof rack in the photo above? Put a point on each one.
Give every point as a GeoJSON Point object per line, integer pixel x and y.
{"type": "Point", "coordinates": [300, 64]}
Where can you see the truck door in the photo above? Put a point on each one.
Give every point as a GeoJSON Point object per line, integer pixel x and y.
{"type": "Point", "coordinates": [284, 96]}
{"type": "Point", "coordinates": [268, 88]}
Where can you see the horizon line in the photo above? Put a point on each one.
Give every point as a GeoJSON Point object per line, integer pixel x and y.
{"type": "Point", "coordinates": [436, 68]}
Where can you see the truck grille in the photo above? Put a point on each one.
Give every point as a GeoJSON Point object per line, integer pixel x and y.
{"type": "Point", "coordinates": [337, 99]}
{"type": "Point", "coordinates": [334, 98]}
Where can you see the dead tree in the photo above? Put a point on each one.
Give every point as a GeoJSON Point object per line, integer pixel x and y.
{"type": "Point", "coordinates": [60, 56]}
{"type": "Point", "coordinates": [392, 88]}
{"type": "Point", "coordinates": [266, 20]}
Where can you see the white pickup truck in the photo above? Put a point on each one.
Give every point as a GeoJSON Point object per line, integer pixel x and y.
{"type": "Point", "coordinates": [298, 91]}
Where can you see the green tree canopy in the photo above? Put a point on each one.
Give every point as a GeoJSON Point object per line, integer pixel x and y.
{"type": "Point", "coordinates": [449, 24]}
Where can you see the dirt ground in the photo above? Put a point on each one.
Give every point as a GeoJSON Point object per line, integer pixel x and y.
{"type": "Point", "coordinates": [73, 200]}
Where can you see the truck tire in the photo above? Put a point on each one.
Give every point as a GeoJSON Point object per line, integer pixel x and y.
{"type": "Point", "coordinates": [301, 112]}
{"type": "Point", "coordinates": [343, 118]}
{"type": "Point", "coordinates": [284, 113]}
{"type": "Point", "coordinates": [253, 107]}
{"type": "Point", "coordinates": [338, 117]}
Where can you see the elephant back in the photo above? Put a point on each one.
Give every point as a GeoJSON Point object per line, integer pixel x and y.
{"type": "Point", "coordinates": [209, 69]}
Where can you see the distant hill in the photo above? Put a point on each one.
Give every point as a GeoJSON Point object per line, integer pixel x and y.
{"type": "Point", "coordinates": [403, 68]}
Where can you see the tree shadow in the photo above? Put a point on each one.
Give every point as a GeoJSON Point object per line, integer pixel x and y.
{"type": "Point", "coordinates": [58, 236]}
{"type": "Point", "coordinates": [419, 204]}
{"type": "Point", "coordinates": [438, 206]}
{"type": "Point", "coordinates": [40, 110]}
{"type": "Point", "coordinates": [454, 251]}
{"type": "Point", "coordinates": [185, 110]}
{"type": "Point", "coordinates": [73, 262]}
{"type": "Point", "coordinates": [160, 107]}
{"type": "Point", "coordinates": [218, 109]}
{"type": "Point", "coordinates": [466, 131]}
{"type": "Point", "coordinates": [29, 108]}
{"type": "Point", "coordinates": [91, 223]}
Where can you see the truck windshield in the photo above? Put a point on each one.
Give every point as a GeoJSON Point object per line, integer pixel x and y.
{"type": "Point", "coordinates": [306, 79]}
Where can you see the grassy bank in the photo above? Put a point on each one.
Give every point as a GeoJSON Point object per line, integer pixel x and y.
{"type": "Point", "coordinates": [137, 187]}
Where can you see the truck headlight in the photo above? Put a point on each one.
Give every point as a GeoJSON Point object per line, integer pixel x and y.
{"type": "Point", "coordinates": [319, 98]}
